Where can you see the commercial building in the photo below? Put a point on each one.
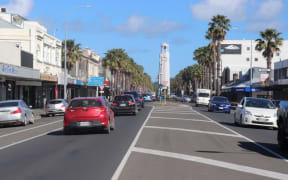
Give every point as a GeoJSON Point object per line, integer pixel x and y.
{"type": "Point", "coordinates": [280, 86]}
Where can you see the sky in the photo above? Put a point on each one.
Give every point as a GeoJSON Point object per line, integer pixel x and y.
{"type": "Point", "coordinates": [140, 27]}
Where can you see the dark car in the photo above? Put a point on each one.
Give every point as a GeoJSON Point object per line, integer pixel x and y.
{"type": "Point", "coordinates": [219, 103]}
{"type": "Point", "coordinates": [124, 104]}
{"type": "Point", "coordinates": [282, 122]}
{"type": "Point", "coordinates": [137, 97]}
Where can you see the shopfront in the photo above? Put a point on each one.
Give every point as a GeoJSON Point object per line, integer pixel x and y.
{"type": "Point", "coordinates": [49, 89]}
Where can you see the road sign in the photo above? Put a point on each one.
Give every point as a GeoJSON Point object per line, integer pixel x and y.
{"type": "Point", "coordinates": [95, 81]}
{"type": "Point", "coordinates": [160, 87]}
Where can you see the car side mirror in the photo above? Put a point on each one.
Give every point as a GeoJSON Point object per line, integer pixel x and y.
{"type": "Point", "coordinates": [239, 106]}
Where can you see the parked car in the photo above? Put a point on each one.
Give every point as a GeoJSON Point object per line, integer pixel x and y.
{"type": "Point", "coordinates": [219, 103]}
{"type": "Point", "coordinates": [282, 135]}
{"type": "Point", "coordinates": [256, 111]}
{"type": "Point", "coordinates": [202, 97]}
{"type": "Point", "coordinates": [136, 97]}
{"type": "Point", "coordinates": [56, 106]}
{"type": "Point", "coordinates": [87, 113]}
{"type": "Point", "coordinates": [124, 104]}
{"type": "Point", "coordinates": [15, 112]}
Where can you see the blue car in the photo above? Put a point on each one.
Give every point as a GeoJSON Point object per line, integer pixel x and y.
{"type": "Point", "coordinates": [219, 103]}
{"type": "Point", "coordinates": [147, 97]}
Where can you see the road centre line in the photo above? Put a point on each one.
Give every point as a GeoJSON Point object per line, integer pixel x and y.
{"type": "Point", "coordinates": [200, 120]}
{"type": "Point", "coordinates": [123, 162]}
{"type": "Point", "coordinates": [24, 130]}
{"type": "Point", "coordinates": [211, 162]}
{"type": "Point", "coordinates": [248, 139]}
{"type": "Point", "coordinates": [28, 139]}
{"type": "Point", "coordinates": [172, 113]}
{"type": "Point", "coordinates": [192, 130]}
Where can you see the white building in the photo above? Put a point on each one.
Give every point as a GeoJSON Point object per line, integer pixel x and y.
{"type": "Point", "coordinates": [32, 37]}
{"type": "Point", "coordinates": [236, 57]}
{"type": "Point", "coordinates": [164, 67]}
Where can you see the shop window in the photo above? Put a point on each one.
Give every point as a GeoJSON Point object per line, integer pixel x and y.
{"type": "Point", "coordinates": [248, 48]}
{"type": "Point", "coordinates": [247, 59]}
{"type": "Point", "coordinates": [256, 59]}
{"type": "Point", "coordinates": [278, 54]}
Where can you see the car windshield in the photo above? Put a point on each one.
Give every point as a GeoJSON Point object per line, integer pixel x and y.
{"type": "Point", "coordinates": [55, 102]}
{"type": "Point", "coordinates": [8, 104]}
{"type": "Point", "coordinates": [203, 95]}
{"type": "Point", "coordinates": [220, 99]}
{"type": "Point", "coordinates": [85, 103]}
{"type": "Point", "coordinates": [123, 98]}
{"type": "Point", "coordinates": [260, 103]}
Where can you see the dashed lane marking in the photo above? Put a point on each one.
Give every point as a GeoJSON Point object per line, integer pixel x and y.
{"type": "Point", "coordinates": [226, 165]}
{"type": "Point", "coordinates": [193, 131]}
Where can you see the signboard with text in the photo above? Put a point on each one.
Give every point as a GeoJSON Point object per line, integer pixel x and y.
{"type": "Point", "coordinates": [95, 81]}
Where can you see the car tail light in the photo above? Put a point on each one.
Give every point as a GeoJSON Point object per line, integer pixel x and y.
{"type": "Point", "coordinates": [47, 107]}
{"type": "Point", "coordinates": [114, 103]}
{"type": "Point", "coordinates": [17, 111]}
{"type": "Point", "coordinates": [131, 103]}
{"type": "Point", "coordinates": [63, 106]}
{"type": "Point", "coordinates": [100, 109]}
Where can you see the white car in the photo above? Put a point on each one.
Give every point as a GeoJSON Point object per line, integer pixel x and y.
{"type": "Point", "coordinates": [256, 111]}
{"type": "Point", "coordinates": [202, 97]}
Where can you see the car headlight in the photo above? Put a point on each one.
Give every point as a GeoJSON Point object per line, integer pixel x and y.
{"type": "Point", "coordinates": [248, 113]}
{"type": "Point", "coordinates": [275, 115]}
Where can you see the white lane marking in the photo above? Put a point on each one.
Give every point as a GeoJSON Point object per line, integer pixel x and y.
{"type": "Point", "coordinates": [183, 119]}
{"type": "Point", "coordinates": [172, 113]}
{"type": "Point", "coordinates": [28, 139]}
{"type": "Point", "coordinates": [226, 165]}
{"type": "Point", "coordinates": [129, 151]}
{"type": "Point", "coordinates": [248, 139]}
{"type": "Point", "coordinates": [24, 130]}
{"type": "Point", "coordinates": [192, 130]}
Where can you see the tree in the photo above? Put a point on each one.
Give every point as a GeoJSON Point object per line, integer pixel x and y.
{"type": "Point", "coordinates": [269, 44]}
{"type": "Point", "coordinates": [217, 31]}
{"type": "Point", "coordinates": [73, 53]}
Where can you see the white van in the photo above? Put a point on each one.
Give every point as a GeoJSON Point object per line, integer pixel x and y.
{"type": "Point", "coordinates": [203, 97]}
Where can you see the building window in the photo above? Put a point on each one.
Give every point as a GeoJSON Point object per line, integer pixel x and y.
{"type": "Point", "coordinates": [247, 59]}
{"type": "Point", "coordinates": [277, 54]}
{"type": "Point", "coordinates": [248, 48]}
{"type": "Point", "coordinates": [256, 59]}
{"type": "Point", "coordinates": [38, 52]}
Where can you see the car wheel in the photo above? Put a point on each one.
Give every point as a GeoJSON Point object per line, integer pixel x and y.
{"type": "Point", "coordinates": [66, 131]}
{"type": "Point", "coordinates": [108, 128]}
{"type": "Point", "coordinates": [282, 143]}
{"type": "Point", "coordinates": [24, 123]}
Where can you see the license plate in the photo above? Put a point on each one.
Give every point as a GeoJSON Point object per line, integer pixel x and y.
{"type": "Point", "coordinates": [262, 119]}
{"type": "Point", "coordinates": [122, 105]}
{"type": "Point", "coordinates": [84, 123]}
{"type": "Point", "coordinates": [220, 107]}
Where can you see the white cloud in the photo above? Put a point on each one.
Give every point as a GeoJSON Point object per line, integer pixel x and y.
{"type": "Point", "coordinates": [270, 9]}
{"type": "Point", "coordinates": [206, 9]}
{"type": "Point", "coordinates": [22, 7]}
{"type": "Point", "coordinates": [257, 26]}
{"type": "Point", "coordinates": [146, 26]}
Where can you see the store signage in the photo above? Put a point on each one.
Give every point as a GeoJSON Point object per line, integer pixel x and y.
{"type": "Point", "coordinates": [9, 69]}
{"type": "Point", "coordinates": [78, 82]}
{"type": "Point", "coordinates": [47, 77]}
{"type": "Point", "coordinates": [231, 48]}
{"type": "Point", "coordinates": [95, 81]}
{"type": "Point", "coordinates": [61, 78]}
{"type": "Point", "coordinates": [107, 83]}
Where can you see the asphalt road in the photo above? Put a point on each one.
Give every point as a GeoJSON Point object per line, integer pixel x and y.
{"type": "Point", "coordinates": [261, 135]}
{"type": "Point", "coordinates": [27, 153]}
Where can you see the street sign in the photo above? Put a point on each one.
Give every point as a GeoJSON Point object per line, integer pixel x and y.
{"type": "Point", "coordinates": [95, 81]}
{"type": "Point", "coordinates": [160, 87]}
{"type": "Point", "coordinates": [264, 70]}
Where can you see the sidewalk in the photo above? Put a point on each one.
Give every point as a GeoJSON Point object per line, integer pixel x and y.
{"type": "Point", "coordinates": [37, 113]}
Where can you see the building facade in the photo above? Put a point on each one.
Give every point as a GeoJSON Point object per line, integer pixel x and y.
{"type": "Point", "coordinates": [238, 56]}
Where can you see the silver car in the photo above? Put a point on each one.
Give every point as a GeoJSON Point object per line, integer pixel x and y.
{"type": "Point", "coordinates": [15, 112]}
{"type": "Point", "coordinates": [56, 106]}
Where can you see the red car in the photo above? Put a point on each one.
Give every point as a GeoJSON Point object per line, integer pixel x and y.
{"type": "Point", "coordinates": [88, 112]}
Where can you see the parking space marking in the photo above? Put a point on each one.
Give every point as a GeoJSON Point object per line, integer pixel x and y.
{"type": "Point", "coordinates": [193, 131]}
{"type": "Point", "coordinates": [24, 130]}
{"type": "Point", "coordinates": [182, 119]}
{"type": "Point", "coordinates": [246, 138]}
{"type": "Point", "coordinates": [129, 151]}
{"type": "Point", "coordinates": [226, 165]}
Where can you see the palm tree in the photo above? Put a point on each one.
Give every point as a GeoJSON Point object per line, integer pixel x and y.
{"type": "Point", "coordinates": [269, 44]}
{"type": "Point", "coordinates": [217, 31]}
{"type": "Point", "coordinates": [73, 53]}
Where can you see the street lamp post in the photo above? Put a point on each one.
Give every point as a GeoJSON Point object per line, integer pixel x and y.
{"type": "Point", "coordinates": [251, 70]}
{"type": "Point", "coordinates": [65, 50]}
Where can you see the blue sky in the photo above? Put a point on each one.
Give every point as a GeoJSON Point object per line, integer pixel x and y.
{"type": "Point", "coordinates": [140, 27]}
